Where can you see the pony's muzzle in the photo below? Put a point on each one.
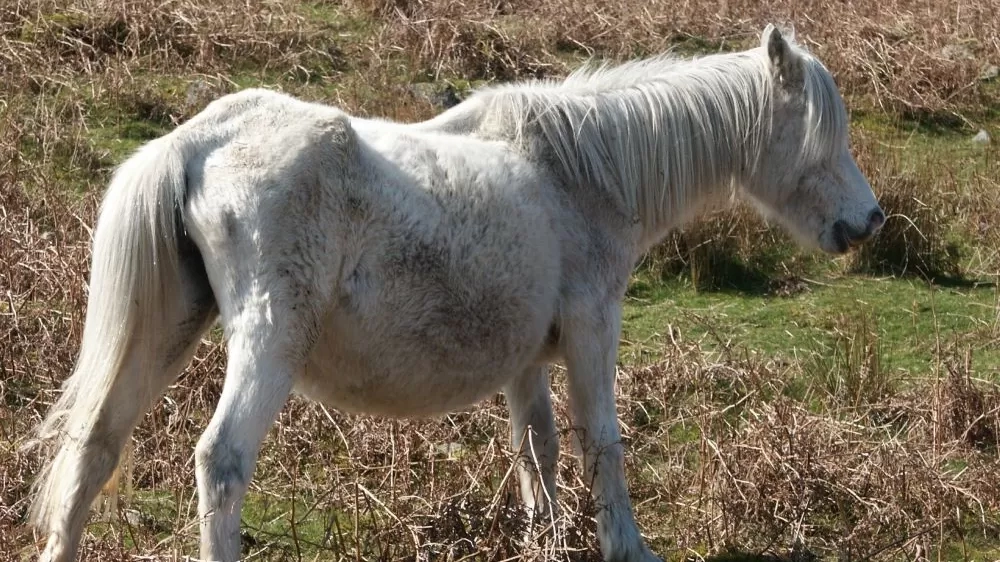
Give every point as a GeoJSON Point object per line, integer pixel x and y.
{"type": "Point", "coordinates": [847, 237]}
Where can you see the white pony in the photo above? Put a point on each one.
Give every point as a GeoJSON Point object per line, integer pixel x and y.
{"type": "Point", "coordinates": [410, 270]}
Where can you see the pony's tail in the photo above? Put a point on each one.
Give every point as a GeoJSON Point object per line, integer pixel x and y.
{"type": "Point", "coordinates": [134, 270]}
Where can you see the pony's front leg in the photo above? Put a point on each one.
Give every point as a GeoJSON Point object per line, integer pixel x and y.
{"type": "Point", "coordinates": [258, 382]}
{"type": "Point", "coordinates": [533, 436]}
{"type": "Point", "coordinates": [591, 351]}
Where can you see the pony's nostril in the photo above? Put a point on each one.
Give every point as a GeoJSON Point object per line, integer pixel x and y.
{"type": "Point", "coordinates": [875, 220]}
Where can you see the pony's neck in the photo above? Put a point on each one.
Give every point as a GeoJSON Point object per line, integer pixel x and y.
{"type": "Point", "coordinates": [663, 139]}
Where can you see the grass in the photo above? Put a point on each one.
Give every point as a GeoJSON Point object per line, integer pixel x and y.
{"type": "Point", "coordinates": [913, 318]}
{"type": "Point", "coordinates": [777, 405]}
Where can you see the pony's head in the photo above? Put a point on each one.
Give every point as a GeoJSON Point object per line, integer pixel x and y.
{"type": "Point", "coordinates": [805, 176]}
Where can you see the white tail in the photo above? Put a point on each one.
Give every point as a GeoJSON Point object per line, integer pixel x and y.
{"type": "Point", "coordinates": [135, 270]}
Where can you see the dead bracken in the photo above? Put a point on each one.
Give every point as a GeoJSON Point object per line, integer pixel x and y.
{"type": "Point", "coordinates": [731, 454]}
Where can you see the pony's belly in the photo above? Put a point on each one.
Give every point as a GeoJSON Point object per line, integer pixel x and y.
{"type": "Point", "coordinates": [380, 354]}
{"type": "Point", "coordinates": [429, 323]}
{"type": "Point", "coordinates": [373, 379]}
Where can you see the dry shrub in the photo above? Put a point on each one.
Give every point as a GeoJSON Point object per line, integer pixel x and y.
{"type": "Point", "coordinates": [472, 40]}
{"type": "Point", "coordinates": [972, 202]}
{"type": "Point", "coordinates": [969, 405]}
{"type": "Point", "coordinates": [730, 250]}
{"type": "Point", "coordinates": [757, 471]}
{"type": "Point", "coordinates": [42, 278]}
{"type": "Point", "coordinates": [843, 490]}
{"type": "Point", "coordinates": [87, 36]}
{"type": "Point", "coordinates": [914, 239]}
{"type": "Point", "coordinates": [907, 56]}
{"type": "Point", "coordinates": [851, 368]}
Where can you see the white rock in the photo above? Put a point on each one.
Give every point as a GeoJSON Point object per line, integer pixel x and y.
{"type": "Point", "coordinates": [982, 137]}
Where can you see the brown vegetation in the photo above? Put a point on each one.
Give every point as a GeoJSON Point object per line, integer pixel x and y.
{"type": "Point", "coordinates": [729, 451]}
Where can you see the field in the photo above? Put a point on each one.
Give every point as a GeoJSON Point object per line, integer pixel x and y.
{"type": "Point", "coordinates": [776, 404]}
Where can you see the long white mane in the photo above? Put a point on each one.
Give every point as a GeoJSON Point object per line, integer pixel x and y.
{"type": "Point", "coordinates": [655, 132]}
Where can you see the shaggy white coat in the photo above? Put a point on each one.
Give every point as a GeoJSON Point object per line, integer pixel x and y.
{"type": "Point", "coordinates": [410, 270]}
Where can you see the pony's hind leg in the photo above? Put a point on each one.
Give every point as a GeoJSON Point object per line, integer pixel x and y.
{"type": "Point", "coordinates": [267, 346]}
{"type": "Point", "coordinates": [88, 453]}
{"type": "Point", "coordinates": [533, 436]}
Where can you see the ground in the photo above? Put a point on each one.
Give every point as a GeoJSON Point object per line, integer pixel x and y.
{"type": "Point", "coordinates": [777, 405]}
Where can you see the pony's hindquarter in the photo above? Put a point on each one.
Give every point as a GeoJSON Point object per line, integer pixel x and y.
{"type": "Point", "coordinates": [149, 303]}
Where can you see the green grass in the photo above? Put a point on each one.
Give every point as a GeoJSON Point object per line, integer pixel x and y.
{"type": "Point", "coordinates": [973, 549]}
{"type": "Point", "coordinates": [118, 136]}
{"type": "Point", "coordinates": [267, 523]}
{"type": "Point", "coordinates": [923, 146]}
{"type": "Point", "coordinates": [912, 319]}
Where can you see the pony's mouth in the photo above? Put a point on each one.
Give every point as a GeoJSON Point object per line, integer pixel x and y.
{"type": "Point", "coordinates": [846, 238]}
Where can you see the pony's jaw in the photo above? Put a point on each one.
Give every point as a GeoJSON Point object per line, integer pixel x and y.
{"type": "Point", "coordinates": [830, 207]}
{"type": "Point", "coordinates": [835, 234]}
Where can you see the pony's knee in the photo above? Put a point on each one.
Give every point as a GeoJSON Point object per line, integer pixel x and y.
{"type": "Point", "coordinates": [223, 471]}
{"type": "Point", "coordinates": [541, 418]}
{"type": "Point", "coordinates": [598, 445]}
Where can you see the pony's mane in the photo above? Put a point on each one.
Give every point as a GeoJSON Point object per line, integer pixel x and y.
{"type": "Point", "coordinates": [652, 131]}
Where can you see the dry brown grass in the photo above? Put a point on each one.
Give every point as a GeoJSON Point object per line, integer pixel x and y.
{"type": "Point", "coordinates": [727, 451]}
{"type": "Point", "coordinates": [726, 454]}
{"type": "Point", "coordinates": [909, 56]}
{"type": "Point", "coordinates": [915, 241]}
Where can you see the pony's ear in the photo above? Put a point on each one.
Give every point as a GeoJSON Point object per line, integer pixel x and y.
{"type": "Point", "coordinates": [785, 62]}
